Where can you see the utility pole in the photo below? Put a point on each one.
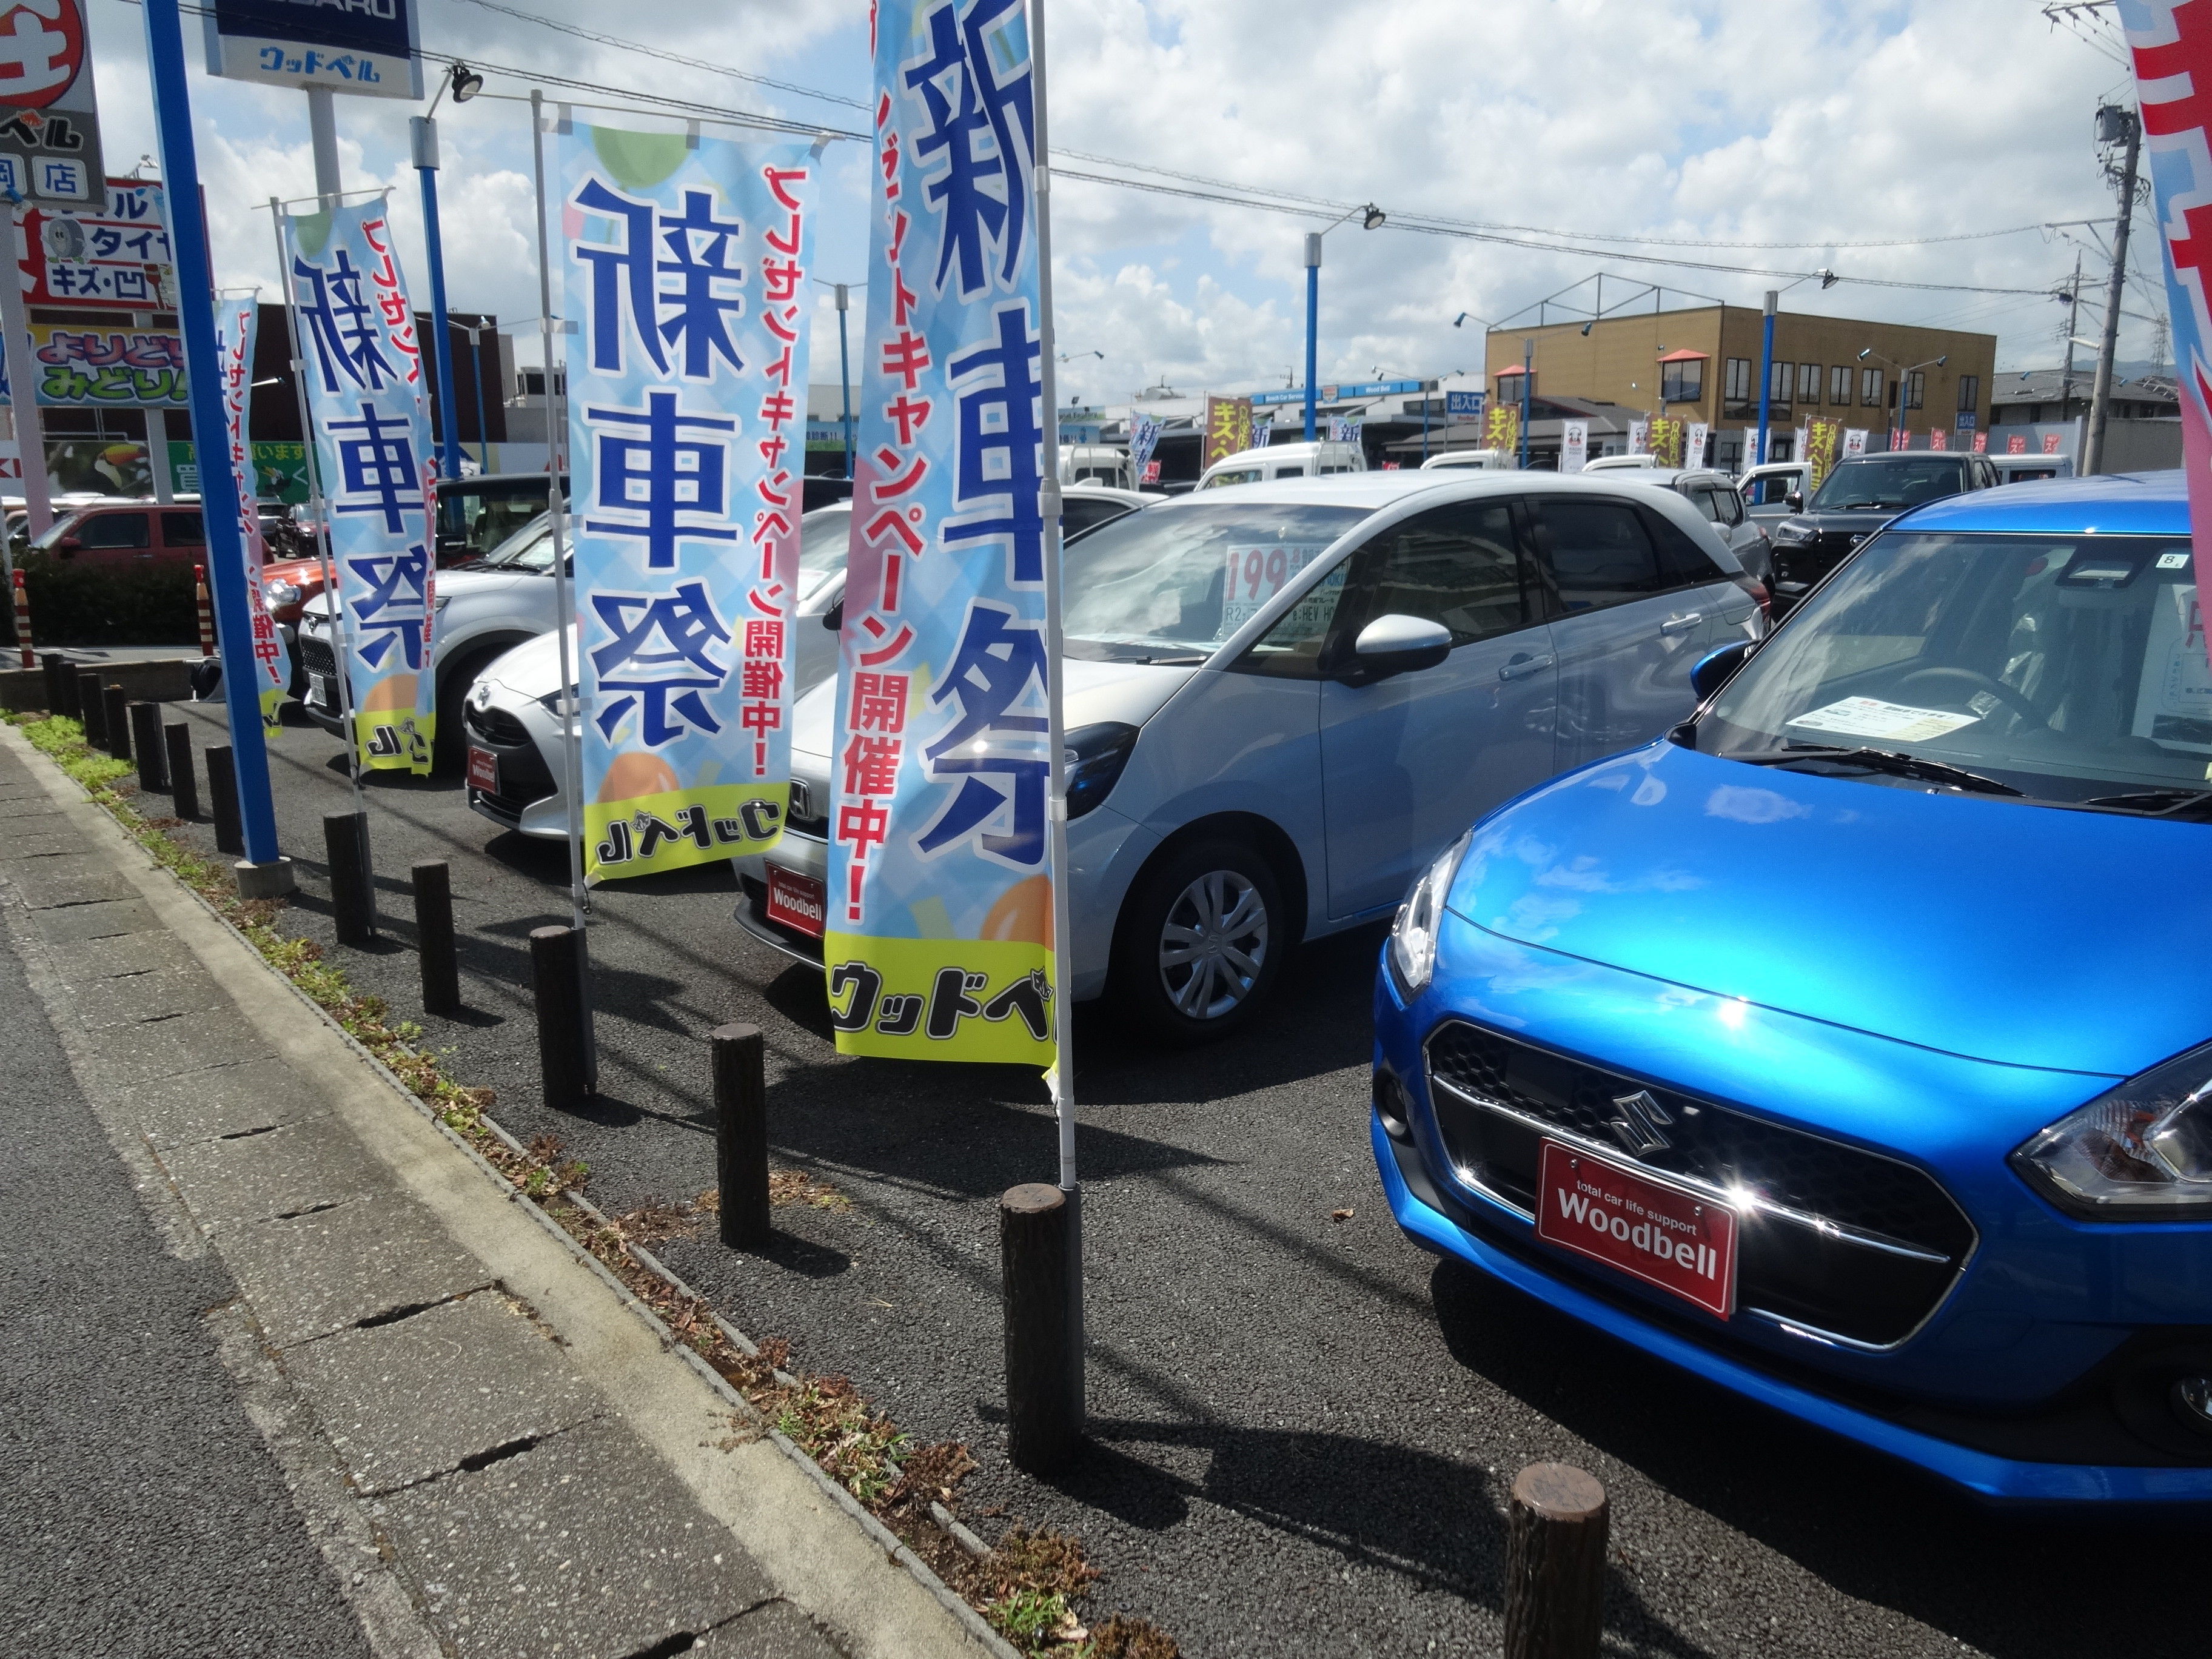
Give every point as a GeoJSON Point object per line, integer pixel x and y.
{"type": "Point", "coordinates": [2066, 375]}
{"type": "Point", "coordinates": [2115, 124]}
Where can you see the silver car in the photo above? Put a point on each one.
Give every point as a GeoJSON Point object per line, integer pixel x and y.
{"type": "Point", "coordinates": [1715, 494]}
{"type": "Point", "coordinates": [1284, 699]}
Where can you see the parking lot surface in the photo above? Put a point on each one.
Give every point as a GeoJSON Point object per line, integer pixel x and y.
{"type": "Point", "coordinates": [1302, 1429]}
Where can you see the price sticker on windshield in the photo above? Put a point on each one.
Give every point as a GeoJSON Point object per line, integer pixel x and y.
{"type": "Point", "coordinates": [1256, 572]}
{"type": "Point", "coordinates": [1870, 717]}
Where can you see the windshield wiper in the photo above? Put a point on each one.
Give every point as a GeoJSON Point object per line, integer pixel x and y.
{"type": "Point", "coordinates": [1887, 760]}
{"type": "Point", "coordinates": [2192, 805]}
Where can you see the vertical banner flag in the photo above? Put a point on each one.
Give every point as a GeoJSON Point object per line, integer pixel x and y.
{"type": "Point", "coordinates": [1228, 427]}
{"type": "Point", "coordinates": [1639, 437]}
{"type": "Point", "coordinates": [1501, 427]}
{"type": "Point", "coordinates": [1826, 439]}
{"type": "Point", "coordinates": [1347, 428]}
{"type": "Point", "coordinates": [939, 943]}
{"type": "Point", "coordinates": [1981, 443]}
{"type": "Point", "coordinates": [1574, 446]}
{"type": "Point", "coordinates": [371, 407]}
{"type": "Point", "coordinates": [1144, 438]}
{"type": "Point", "coordinates": [233, 338]}
{"type": "Point", "coordinates": [1700, 434]}
{"type": "Point", "coordinates": [687, 263]}
{"type": "Point", "coordinates": [2016, 444]}
{"type": "Point", "coordinates": [1664, 439]}
{"type": "Point", "coordinates": [1854, 440]}
{"type": "Point", "coordinates": [2050, 441]}
{"type": "Point", "coordinates": [1938, 438]}
{"type": "Point", "coordinates": [2172, 45]}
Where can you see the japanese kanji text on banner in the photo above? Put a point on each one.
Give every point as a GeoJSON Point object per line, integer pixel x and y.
{"type": "Point", "coordinates": [940, 899]}
{"type": "Point", "coordinates": [367, 394]}
{"type": "Point", "coordinates": [687, 420]}
{"type": "Point", "coordinates": [234, 339]}
{"type": "Point", "coordinates": [2172, 45]}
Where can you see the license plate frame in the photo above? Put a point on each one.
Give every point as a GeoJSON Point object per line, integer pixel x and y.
{"type": "Point", "coordinates": [484, 770]}
{"type": "Point", "coordinates": [320, 687]}
{"type": "Point", "coordinates": [1576, 1188]}
{"type": "Point", "coordinates": [790, 895]}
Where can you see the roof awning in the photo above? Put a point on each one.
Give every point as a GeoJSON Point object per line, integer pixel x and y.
{"type": "Point", "coordinates": [1510, 368]}
{"type": "Point", "coordinates": [1686, 355]}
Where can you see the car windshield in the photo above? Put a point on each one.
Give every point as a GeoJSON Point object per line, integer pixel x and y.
{"type": "Point", "coordinates": [2066, 667]}
{"type": "Point", "coordinates": [533, 544]}
{"type": "Point", "coordinates": [822, 535]}
{"type": "Point", "coordinates": [1243, 475]}
{"type": "Point", "coordinates": [1895, 484]}
{"type": "Point", "coordinates": [1176, 580]}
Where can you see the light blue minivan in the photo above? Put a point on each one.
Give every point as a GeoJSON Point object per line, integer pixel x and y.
{"type": "Point", "coordinates": [1283, 699]}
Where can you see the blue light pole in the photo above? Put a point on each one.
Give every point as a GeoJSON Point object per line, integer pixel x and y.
{"type": "Point", "coordinates": [423, 131]}
{"type": "Point", "coordinates": [1766, 371]}
{"type": "Point", "coordinates": [1370, 218]}
{"type": "Point", "coordinates": [265, 872]}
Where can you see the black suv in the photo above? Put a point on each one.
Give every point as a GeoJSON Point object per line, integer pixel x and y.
{"type": "Point", "coordinates": [1861, 496]}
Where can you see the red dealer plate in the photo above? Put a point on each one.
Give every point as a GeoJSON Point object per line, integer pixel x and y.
{"type": "Point", "coordinates": [483, 771]}
{"type": "Point", "coordinates": [794, 900]}
{"type": "Point", "coordinates": [1680, 1241]}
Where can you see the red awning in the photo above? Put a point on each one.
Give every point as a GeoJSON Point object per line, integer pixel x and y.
{"type": "Point", "coordinates": [1512, 368]}
{"type": "Point", "coordinates": [1686, 355]}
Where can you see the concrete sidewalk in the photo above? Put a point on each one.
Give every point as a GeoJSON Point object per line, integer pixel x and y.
{"type": "Point", "coordinates": [495, 1452]}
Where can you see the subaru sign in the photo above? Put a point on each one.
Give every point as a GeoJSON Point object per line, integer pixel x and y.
{"type": "Point", "coordinates": [366, 46]}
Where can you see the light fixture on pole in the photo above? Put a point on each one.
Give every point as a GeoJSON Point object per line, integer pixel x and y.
{"type": "Point", "coordinates": [1905, 375]}
{"type": "Point", "coordinates": [1370, 218]}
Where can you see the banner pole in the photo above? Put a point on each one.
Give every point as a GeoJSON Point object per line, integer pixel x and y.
{"type": "Point", "coordinates": [1062, 1076]}
{"type": "Point", "coordinates": [342, 628]}
{"type": "Point", "coordinates": [564, 610]}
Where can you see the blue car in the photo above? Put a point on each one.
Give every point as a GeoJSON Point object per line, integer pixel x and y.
{"type": "Point", "coordinates": [1851, 1046]}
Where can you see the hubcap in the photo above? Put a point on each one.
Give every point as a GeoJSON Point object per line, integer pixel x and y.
{"type": "Point", "coordinates": [1213, 944]}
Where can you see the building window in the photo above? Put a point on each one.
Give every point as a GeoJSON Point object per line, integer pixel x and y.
{"type": "Point", "coordinates": [1777, 383]}
{"type": "Point", "coordinates": [1870, 387]}
{"type": "Point", "coordinates": [1840, 383]}
{"type": "Point", "coordinates": [1809, 383]}
{"type": "Point", "coordinates": [1739, 379]}
{"type": "Point", "coordinates": [1969, 394]}
{"type": "Point", "coordinates": [1681, 383]}
{"type": "Point", "coordinates": [1913, 400]}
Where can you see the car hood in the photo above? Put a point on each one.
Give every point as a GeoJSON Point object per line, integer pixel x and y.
{"type": "Point", "coordinates": [532, 668]}
{"type": "Point", "coordinates": [1862, 519]}
{"type": "Point", "coordinates": [1129, 692]}
{"type": "Point", "coordinates": [449, 584]}
{"type": "Point", "coordinates": [2024, 935]}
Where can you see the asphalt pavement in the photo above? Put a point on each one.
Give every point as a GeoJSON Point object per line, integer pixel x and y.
{"type": "Point", "coordinates": [141, 1512]}
{"type": "Point", "coordinates": [1302, 1429]}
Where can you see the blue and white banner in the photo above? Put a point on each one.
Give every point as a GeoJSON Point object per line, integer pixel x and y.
{"type": "Point", "coordinates": [687, 264]}
{"type": "Point", "coordinates": [940, 900]}
{"type": "Point", "coordinates": [369, 402]}
{"type": "Point", "coordinates": [234, 321]}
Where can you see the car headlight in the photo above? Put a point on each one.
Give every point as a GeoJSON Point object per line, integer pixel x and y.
{"type": "Point", "coordinates": [1413, 933]}
{"type": "Point", "coordinates": [1792, 535]}
{"type": "Point", "coordinates": [552, 701]}
{"type": "Point", "coordinates": [1094, 756]}
{"type": "Point", "coordinates": [2140, 1152]}
{"type": "Point", "coordinates": [277, 591]}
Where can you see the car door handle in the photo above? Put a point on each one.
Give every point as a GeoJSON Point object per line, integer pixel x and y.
{"type": "Point", "coordinates": [1520, 666]}
{"type": "Point", "coordinates": [1677, 624]}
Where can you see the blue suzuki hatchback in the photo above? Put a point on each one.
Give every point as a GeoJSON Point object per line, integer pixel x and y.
{"type": "Point", "coordinates": [1852, 1047]}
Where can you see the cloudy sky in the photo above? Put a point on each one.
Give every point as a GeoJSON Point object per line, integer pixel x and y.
{"type": "Point", "coordinates": [1781, 137]}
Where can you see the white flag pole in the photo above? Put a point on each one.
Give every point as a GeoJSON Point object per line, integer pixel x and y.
{"type": "Point", "coordinates": [1061, 1078]}
{"type": "Point", "coordinates": [564, 610]}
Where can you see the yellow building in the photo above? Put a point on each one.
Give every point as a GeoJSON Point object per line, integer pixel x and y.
{"type": "Point", "coordinates": [1702, 364]}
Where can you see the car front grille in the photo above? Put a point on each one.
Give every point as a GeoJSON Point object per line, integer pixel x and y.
{"type": "Point", "coordinates": [317, 657]}
{"type": "Point", "coordinates": [1844, 1242]}
{"type": "Point", "coordinates": [496, 725]}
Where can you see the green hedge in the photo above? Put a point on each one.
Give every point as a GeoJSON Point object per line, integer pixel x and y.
{"type": "Point", "coordinates": [73, 604]}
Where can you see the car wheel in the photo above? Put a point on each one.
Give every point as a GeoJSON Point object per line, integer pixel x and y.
{"type": "Point", "coordinates": [450, 743]}
{"type": "Point", "coordinates": [1201, 942]}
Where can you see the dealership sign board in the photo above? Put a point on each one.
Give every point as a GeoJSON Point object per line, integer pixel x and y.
{"type": "Point", "coordinates": [114, 254]}
{"type": "Point", "coordinates": [49, 119]}
{"type": "Point", "coordinates": [365, 46]}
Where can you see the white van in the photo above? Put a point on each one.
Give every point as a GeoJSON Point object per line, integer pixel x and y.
{"type": "Point", "coordinates": [2026, 469]}
{"type": "Point", "coordinates": [1622, 463]}
{"type": "Point", "coordinates": [1299, 461]}
{"type": "Point", "coordinates": [1487, 460]}
{"type": "Point", "coordinates": [1098, 464]}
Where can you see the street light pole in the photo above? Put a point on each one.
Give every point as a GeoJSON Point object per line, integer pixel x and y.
{"type": "Point", "coordinates": [1313, 306]}
{"type": "Point", "coordinates": [1527, 376]}
{"type": "Point", "coordinates": [1767, 370]}
{"type": "Point", "coordinates": [475, 331]}
{"type": "Point", "coordinates": [422, 130]}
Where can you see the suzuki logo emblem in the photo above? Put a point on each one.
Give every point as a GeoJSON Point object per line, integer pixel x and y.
{"type": "Point", "coordinates": [1636, 1125]}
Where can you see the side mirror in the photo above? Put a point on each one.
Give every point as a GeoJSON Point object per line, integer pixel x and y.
{"type": "Point", "coordinates": [1716, 668]}
{"type": "Point", "coordinates": [1398, 644]}
{"type": "Point", "coordinates": [68, 544]}
{"type": "Point", "coordinates": [833, 618]}
{"type": "Point", "coordinates": [1795, 501]}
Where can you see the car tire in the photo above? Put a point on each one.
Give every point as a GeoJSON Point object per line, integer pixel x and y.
{"type": "Point", "coordinates": [1202, 939]}
{"type": "Point", "coordinates": [449, 746]}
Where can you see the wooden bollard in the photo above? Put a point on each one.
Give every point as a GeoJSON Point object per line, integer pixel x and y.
{"type": "Point", "coordinates": [557, 984]}
{"type": "Point", "coordinates": [116, 701]}
{"type": "Point", "coordinates": [57, 681]}
{"type": "Point", "coordinates": [146, 741]}
{"type": "Point", "coordinates": [434, 937]}
{"type": "Point", "coordinates": [1555, 1539]}
{"type": "Point", "coordinates": [184, 782]}
{"type": "Point", "coordinates": [92, 710]}
{"type": "Point", "coordinates": [739, 1054]}
{"type": "Point", "coordinates": [1044, 1415]}
{"type": "Point", "coordinates": [353, 895]}
{"type": "Point", "coordinates": [222, 800]}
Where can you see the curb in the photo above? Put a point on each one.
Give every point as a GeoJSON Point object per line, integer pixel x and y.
{"type": "Point", "coordinates": [972, 1622]}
